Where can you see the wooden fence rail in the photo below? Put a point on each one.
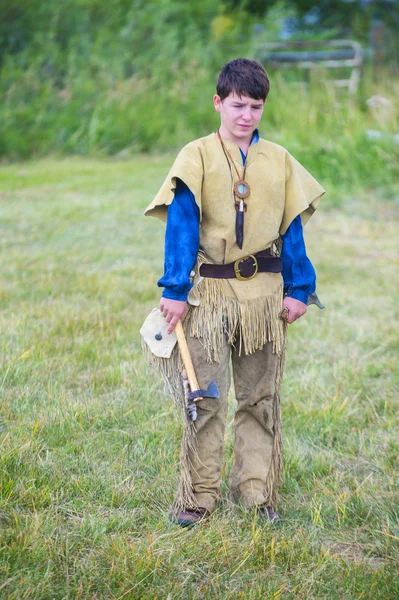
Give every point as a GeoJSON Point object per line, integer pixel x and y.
{"type": "Point", "coordinates": [334, 54]}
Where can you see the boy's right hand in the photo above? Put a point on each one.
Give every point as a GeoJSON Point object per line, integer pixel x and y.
{"type": "Point", "coordinates": [172, 310]}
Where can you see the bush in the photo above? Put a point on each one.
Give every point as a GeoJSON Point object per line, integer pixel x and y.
{"type": "Point", "coordinates": [140, 78]}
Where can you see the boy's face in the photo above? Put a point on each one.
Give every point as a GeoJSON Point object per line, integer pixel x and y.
{"type": "Point", "coordinates": [239, 116]}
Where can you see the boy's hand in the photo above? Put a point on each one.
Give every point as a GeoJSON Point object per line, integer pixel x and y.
{"type": "Point", "coordinates": [172, 310]}
{"type": "Point", "coordinates": [296, 308]}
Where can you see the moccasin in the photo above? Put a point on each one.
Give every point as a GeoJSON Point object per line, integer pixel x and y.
{"type": "Point", "coordinates": [188, 518]}
{"type": "Point", "coordinates": [268, 514]}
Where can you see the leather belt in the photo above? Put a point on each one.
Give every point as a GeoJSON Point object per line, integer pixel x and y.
{"type": "Point", "coordinates": [244, 268]}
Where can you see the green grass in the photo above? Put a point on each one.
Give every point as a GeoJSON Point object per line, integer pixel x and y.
{"type": "Point", "coordinates": [89, 446]}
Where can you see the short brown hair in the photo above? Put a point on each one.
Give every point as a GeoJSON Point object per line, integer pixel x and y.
{"type": "Point", "coordinates": [244, 77]}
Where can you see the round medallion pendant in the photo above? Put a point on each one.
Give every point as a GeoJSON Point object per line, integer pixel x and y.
{"type": "Point", "coordinates": [242, 189]}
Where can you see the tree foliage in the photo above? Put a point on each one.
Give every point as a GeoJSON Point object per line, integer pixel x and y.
{"type": "Point", "coordinates": [33, 24]}
{"type": "Point", "coordinates": [85, 75]}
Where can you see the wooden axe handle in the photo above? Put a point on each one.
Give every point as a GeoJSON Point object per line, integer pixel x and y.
{"type": "Point", "coordinates": [186, 358]}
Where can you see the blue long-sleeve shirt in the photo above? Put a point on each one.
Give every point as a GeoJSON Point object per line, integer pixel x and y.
{"type": "Point", "coordinates": [182, 245]}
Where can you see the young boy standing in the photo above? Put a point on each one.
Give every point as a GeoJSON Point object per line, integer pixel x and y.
{"type": "Point", "coordinates": [235, 206]}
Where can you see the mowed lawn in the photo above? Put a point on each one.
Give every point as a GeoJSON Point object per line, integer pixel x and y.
{"type": "Point", "coordinates": [90, 446]}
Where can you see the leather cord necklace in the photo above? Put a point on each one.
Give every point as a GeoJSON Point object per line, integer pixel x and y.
{"type": "Point", "coordinates": [241, 187]}
{"type": "Point", "coordinates": [241, 190]}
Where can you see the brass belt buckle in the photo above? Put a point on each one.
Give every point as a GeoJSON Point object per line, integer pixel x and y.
{"type": "Point", "coordinates": [237, 268]}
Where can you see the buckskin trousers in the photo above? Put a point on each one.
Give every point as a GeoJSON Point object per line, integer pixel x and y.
{"type": "Point", "coordinates": [254, 379]}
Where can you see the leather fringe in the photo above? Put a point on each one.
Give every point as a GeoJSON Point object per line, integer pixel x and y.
{"type": "Point", "coordinates": [171, 370]}
{"type": "Point", "coordinates": [274, 478]}
{"type": "Point", "coordinates": [252, 323]}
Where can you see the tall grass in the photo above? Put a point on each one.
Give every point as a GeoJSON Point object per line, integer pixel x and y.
{"type": "Point", "coordinates": [107, 114]}
{"type": "Point", "coordinates": [140, 78]}
{"type": "Point", "coordinates": [89, 446]}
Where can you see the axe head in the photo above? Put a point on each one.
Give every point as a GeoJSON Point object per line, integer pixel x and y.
{"type": "Point", "coordinates": [211, 392]}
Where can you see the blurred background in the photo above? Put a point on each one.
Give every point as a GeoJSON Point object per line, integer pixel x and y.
{"type": "Point", "coordinates": [110, 75]}
{"type": "Point", "coordinates": [118, 77]}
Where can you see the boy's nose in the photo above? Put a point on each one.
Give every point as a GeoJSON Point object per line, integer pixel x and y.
{"type": "Point", "coordinates": [246, 115]}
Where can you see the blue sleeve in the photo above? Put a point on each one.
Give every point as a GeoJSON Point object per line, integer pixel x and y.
{"type": "Point", "coordinates": [298, 272]}
{"type": "Point", "coordinates": [181, 244]}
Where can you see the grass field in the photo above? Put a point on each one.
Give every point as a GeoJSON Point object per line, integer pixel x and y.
{"type": "Point", "coordinates": [89, 446]}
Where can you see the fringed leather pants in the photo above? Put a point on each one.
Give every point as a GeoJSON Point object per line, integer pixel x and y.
{"type": "Point", "coordinates": [257, 469]}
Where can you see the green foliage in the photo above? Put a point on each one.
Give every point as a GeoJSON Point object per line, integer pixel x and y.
{"type": "Point", "coordinates": [107, 115]}
{"type": "Point", "coordinates": [128, 76]}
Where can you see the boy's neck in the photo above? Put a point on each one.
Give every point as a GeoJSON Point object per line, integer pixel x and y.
{"type": "Point", "coordinates": [243, 142]}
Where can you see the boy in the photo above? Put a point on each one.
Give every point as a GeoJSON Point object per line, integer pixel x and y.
{"type": "Point", "coordinates": [231, 200]}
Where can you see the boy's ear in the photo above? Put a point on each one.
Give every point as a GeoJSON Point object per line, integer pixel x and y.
{"type": "Point", "coordinates": [217, 103]}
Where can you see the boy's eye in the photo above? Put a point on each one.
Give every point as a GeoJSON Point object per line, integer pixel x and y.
{"type": "Point", "coordinates": [243, 105]}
